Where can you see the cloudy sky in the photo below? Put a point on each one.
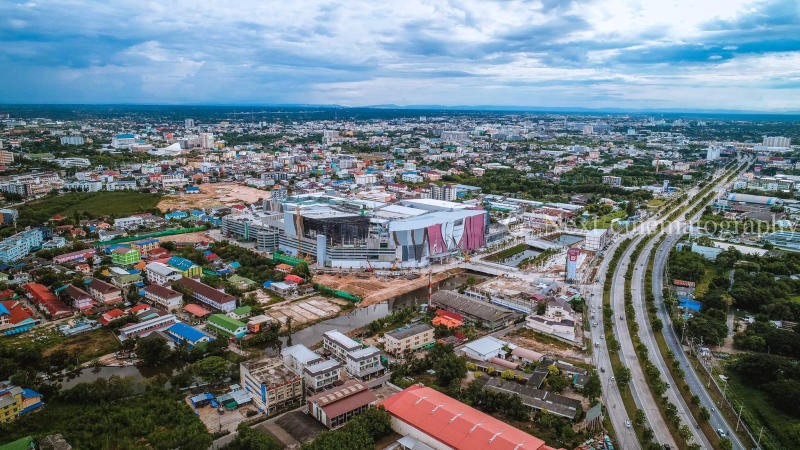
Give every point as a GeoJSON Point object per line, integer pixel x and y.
{"type": "Point", "coordinates": [660, 54]}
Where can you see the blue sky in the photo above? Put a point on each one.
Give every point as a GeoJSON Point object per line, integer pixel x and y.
{"type": "Point", "coordinates": [665, 54]}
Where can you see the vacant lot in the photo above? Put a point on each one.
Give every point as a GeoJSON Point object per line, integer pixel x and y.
{"type": "Point", "coordinates": [87, 205]}
{"type": "Point", "coordinates": [213, 195]}
{"type": "Point", "coordinates": [91, 344]}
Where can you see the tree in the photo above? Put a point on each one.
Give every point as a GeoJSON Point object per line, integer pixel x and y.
{"type": "Point", "coordinates": [301, 270]}
{"type": "Point", "coordinates": [623, 377]}
{"type": "Point", "coordinates": [152, 351]}
{"type": "Point", "coordinates": [250, 439]}
{"type": "Point", "coordinates": [704, 414]}
{"type": "Point", "coordinates": [212, 369]}
{"type": "Point", "coordinates": [592, 388]}
{"type": "Point", "coordinates": [557, 383]}
{"type": "Point", "coordinates": [449, 369]}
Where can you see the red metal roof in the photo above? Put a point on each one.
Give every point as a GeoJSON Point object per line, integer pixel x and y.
{"type": "Point", "coordinates": [455, 424]}
{"type": "Point", "coordinates": [17, 311]}
{"type": "Point", "coordinates": [196, 310]}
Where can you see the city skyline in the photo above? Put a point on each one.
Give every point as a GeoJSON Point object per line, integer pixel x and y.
{"type": "Point", "coordinates": [731, 56]}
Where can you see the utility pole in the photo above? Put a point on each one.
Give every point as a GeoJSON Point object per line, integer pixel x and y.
{"type": "Point", "coordinates": [739, 417]}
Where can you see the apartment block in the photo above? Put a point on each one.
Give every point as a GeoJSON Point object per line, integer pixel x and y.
{"type": "Point", "coordinates": [272, 385]}
{"type": "Point", "coordinates": [408, 339]}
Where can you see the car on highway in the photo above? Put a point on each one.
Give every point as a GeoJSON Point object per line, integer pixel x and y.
{"type": "Point", "coordinates": [628, 423]}
{"type": "Point", "coordinates": [722, 433]}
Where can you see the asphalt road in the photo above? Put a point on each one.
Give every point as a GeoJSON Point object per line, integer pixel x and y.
{"type": "Point", "coordinates": [625, 437]}
{"type": "Point", "coordinates": [641, 391]}
{"type": "Point", "coordinates": [673, 342]}
{"type": "Point", "coordinates": [648, 338]}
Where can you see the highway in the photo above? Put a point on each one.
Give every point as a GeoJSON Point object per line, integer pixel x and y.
{"type": "Point", "coordinates": [638, 384]}
{"type": "Point", "coordinates": [625, 437]}
{"type": "Point", "coordinates": [648, 338]}
{"type": "Point", "coordinates": [673, 342]}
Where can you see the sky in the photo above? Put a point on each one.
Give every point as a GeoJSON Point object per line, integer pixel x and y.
{"type": "Point", "coordinates": [621, 54]}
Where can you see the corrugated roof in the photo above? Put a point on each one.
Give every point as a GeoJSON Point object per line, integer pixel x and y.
{"type": "Point", "coordinates": [455, 424]}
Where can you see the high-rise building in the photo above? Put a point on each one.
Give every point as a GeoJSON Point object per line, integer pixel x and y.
{"type": "Point", "coordinates": [72, 140]}
{"type": "Point", "coordinates": [572, 263]}
{"type": "Point", "coordinates": [189, 123]}
{"type": "Point", "coordinates": [6, 157]}
{"type": "Point", "coordinates": [712, 153]}
{"type": "Point", "coordinates": [207, 140]}
{"type": "Point", "coordinates": [776, 141]}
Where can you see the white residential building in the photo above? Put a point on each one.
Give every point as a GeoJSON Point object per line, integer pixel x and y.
{"type": "Point", "coordinates": [558, 320]}
{"type": "Point", "coordinates": [161, 274]}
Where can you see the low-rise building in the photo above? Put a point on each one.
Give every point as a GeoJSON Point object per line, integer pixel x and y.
{"type": "Point", "coordinates": [334, 407]}
{"type": "Point", "coordinates": [442, 422]}
{"type": "Point", "coordinates": [596, 239]}
{"type": "Point", "coordinates": [272, 385]}
{"type": "Point", "coordinates": [144, 328]}
{"type": "Point", "coordinates": [14, 248]}
{"type": "Point", "coordinates": [145, 245]}
{"type": "Point", "coordinates": [359, 361]}
{"type": "Point", "coordinates": [186, 267]}
{"type": "Point", "coordinates": [77, 297]}
{"type": "Point", "coordinates": [485, 348]}
{"type": "Point", "coordinates": [473, 310]}
{"type": "Point", "coordinates": [160, 273]}
{"type": "Point", "coordinates": [227, 326]}
{"type": "Point", "coordinates": [207, 294]}
{"type": "Point", "coordinates": [125, 256]}
{"type": "Point", "coordinates": [408, 339]}
{"type": "Point", "coordinates": [15, 318]}
{"type": "Point", "coordinates": [318, 373]}
{"type": "Point", "coordinates": [46, 301]}
{"type": "Point", "coordinates": [558, 320]}
{"type": "Point", "coordinates": [104, 293]}
{"type": "Point", "coordinates": [186, 334]}
{"type": "Point", "coordinates": [163, 296]}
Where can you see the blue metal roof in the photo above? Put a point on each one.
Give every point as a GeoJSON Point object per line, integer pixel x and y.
{"type": "Point", "coordinates": [186, 332]}
{"type": "Point", "coordinates": [180, 263]}
{"type": "Point", "coordinates": [3, 309]}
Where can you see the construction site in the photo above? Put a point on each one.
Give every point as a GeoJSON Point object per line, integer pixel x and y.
{"type": "Point", "coordinates": [376, 289]}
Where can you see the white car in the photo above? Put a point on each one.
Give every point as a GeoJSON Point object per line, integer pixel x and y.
{"type": "Point", "coordinates": [628, 423]}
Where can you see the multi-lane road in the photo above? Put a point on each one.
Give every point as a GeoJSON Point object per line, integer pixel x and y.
{"type": "Point", "coordinates": [696, 386]}
{"type": "Point", "coordinates": [648, 338]}
{"type": "Point", "coordinates": [625, 436]}
{"type": "Point", "coordinates": [641, 392]}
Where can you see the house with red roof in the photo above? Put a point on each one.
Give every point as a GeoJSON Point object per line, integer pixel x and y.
{"type": "Point", "coordinates": [112, 315]}
{"type": "Point", "coordinates": [15, 318]}
{"type": "Point", "coordinates": [442, 422]}
{"type": "Point", "coordinates": [46, 301]}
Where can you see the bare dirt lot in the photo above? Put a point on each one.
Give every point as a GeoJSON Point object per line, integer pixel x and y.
{"type": "Point", "coordinates": [304, 311]}
{"type": "Point", "coordinates": [374, 289]}
{"type": "Point", "coordinates": [190, 238]}
{"type": "Point", "coordinates": [213, 195]}
{"type": "Point", "coordinates": [525, 338]}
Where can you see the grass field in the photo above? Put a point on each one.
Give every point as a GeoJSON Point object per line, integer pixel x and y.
{"type": "Point", "coordinates": [604, 221]}
{"type": "Point", "coordinates": [87, 205]}
{"type": "Point", "coordinates": [88, 346]}
{"type": "Point", "coordinates": [759, 412]}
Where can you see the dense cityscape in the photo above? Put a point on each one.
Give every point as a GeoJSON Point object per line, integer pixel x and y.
{"type": "Point", "coordinates": [334, 278]}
